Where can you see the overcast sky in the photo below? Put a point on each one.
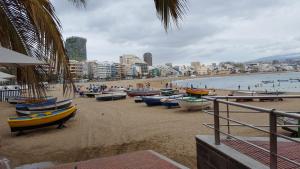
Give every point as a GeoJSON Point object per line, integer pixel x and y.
{"type": "Point", "coordinates": [212, 30]}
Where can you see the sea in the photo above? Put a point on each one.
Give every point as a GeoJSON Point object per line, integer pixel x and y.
{"type": "Point", "coordinates": [271, 82]}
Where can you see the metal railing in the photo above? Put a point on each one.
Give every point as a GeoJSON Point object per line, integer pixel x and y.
{"type": "Point", "coordinates": [5, 94]}
{"type": "Point", "coordinates": [273, 114]}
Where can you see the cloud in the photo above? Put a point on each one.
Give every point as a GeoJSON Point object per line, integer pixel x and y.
{"type": "Point", "coordinates": [212, 31]}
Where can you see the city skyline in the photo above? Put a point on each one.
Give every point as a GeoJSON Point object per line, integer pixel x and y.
{"type": "Point", "coordinates": [212, 31]}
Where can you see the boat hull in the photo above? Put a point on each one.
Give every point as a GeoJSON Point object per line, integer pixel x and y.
{"type": "Point", "coordinates": [110, 97]}
{"type": "Point", "coordinates": [23, 100]}
{"type": "Point", "coordinates": [44, 106]}
{"type": "Point", "coordinates": [197, 92]}
{"type": "Point", "coordinates": [192, 105]}
{"type": "Point", "coordinates": [35, 123]}
{"type": "Point", "coordinates": [152, 101]}
{"type": "Point", "coordinates": [142, 93]}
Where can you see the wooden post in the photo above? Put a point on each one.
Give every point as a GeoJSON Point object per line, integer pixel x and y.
{"type": "Point", "coordinates": [216, 122]}
{"type": "Point", "coordinates": [273, 140]}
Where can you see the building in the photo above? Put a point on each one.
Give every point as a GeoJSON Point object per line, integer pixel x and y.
{"type": "Point", "coordinates": [129, 59]}
{"type": "Point", "coordinates": [116, 71]}
{"type": "Point", "coordinates": [76, 68]}
{"type": "Point", "coordinates": [144, 69]}
{"type": "Point", "coordinates": [148, 58]}
{"type": "Point", "coordinates": [103, 70]}
{"type": "Point", "coordinates": [169, 65]}
{"type": "Point", "coordinates": [76, 48]}
{"type": "Point", "coordinates": [199, 69]}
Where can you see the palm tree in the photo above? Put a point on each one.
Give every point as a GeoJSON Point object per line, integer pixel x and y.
{"type": "Point", "coordinates": [31, 27]}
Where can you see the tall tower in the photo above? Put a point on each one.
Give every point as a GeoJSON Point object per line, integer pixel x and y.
{"type": "Point", "coordinates": [148, 58]}
{"type": "Point", "coordinates": [76, 48]}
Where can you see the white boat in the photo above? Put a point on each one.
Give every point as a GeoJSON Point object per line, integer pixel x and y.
{"type": "Point", "coordinates": [190, 103]}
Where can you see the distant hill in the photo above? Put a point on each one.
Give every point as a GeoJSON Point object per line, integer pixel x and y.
{"type": "Point", "coordinates": [281, 58]}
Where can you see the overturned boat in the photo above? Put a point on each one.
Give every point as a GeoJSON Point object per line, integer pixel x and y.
{"type": "Point", "coordinates": [111, 97]}
{"type": "Point", "coordinates": [169, 103]}
{"type": "Point", "coordinates": [142, 92]}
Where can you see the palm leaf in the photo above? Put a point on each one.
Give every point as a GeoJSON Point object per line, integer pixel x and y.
{"type": "Point", "coordinates": [170, 10]}
{"type": "Point", "coordinates": [32, 28]}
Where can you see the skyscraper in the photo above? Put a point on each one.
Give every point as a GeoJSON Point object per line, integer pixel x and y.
{"type": "Point", "coordinates": [76, 48]}
{"type": "Point", "coordinates": [148, 58]}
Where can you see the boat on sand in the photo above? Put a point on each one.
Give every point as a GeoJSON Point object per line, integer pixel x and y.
{"type": "Point", "coordinates": [192, 103]}
{"type": "Point", "coordinates": [34, 121]}
{"type": "Point", "coordinates": [43, 108]}
{"type": "Point", "coordinates": [111, 97]}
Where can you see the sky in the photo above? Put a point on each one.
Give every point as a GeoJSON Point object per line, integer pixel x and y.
{"type": "Point", "coordinates": [211, 31]}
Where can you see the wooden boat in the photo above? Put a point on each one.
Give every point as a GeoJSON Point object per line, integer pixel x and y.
{"type": "Point", "coordinates": [192, 103]}
{"type": "Point", "coordinates": [289, 121]}
{"type": "Point", "coordinates": [44, 105]}
{"type": "Point", "coordinates": [111, 97]}
{"type": "Point", "coordinates": [138, 99]}
{"type": "Point", "coordinates": [42, 108]}
{"type": "Point", "coordinates": [169, 92]}
{"type": "Point", "coordinates": [197, 92]}
{"type": "Point", "coordinates": [142, 92]}
{"type": "Point", "coordinates": [282, 80]}
{"type": "Point", "coordinates": [169, 103]}
{"type": "Point", "coordinates": [20, 100]}
{"type": "Point", "coordinates": [91, 94]}
{"type": "Point", "coordinates": [56, 117]}
{"type": "Point", "coordinates": [156, 100]}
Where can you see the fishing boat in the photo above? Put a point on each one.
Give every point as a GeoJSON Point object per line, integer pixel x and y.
{"type": "Point", "coordinates": [153, 100]}
{"type": "Point", "coordinates": [142, 92]}
{"type": "Point", "coordinates": [111, 97]}
{"type": "Point", "coordinates": [20, 100]}
{"type": "Point", "coordinates": [169, 92]}
{"type": "Point", "coordinates": [192, 103]}
{"type": "Point", "coordinates": [169, 103]}
{"type": "Point", "coordinates": [197, 92]}
{"type": "Point", "coordinates": [156, 100]}
{"type": "Point", "coordinates": [91, 94]}
{"type": "Point", "coordinates": [138, 99]}
{"type": "Point", "coordinates": [289, 121]}
{"type": "Point", "coordinates": [43, 107]}
{"type": "Point", "coordinates": [34, 121]}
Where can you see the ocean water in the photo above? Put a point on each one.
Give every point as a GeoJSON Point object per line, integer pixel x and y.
{"type": "Point", "coordinates": [252, 81]}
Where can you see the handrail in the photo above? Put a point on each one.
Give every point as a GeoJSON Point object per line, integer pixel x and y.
{"type": "Point", "coordinates": [273, 114]}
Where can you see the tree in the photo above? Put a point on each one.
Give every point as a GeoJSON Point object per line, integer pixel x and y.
{"type": "Point", "coordinates": [31, 27]}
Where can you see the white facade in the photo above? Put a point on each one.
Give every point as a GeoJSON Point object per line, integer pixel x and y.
{"type": "Point", "coordinates": [76, 68]}
{"type": "Point", "coordinates": [103, 70]}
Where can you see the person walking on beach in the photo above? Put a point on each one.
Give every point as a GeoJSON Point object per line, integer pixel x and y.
{"type": "Point", "coordinates": [239, 87]}
{"type": "Point", "coordinates": [249, 88]}
{"type": "Point", "coordinates": [167, 85]}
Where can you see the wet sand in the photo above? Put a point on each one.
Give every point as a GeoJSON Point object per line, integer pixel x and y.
{"type": "Point", "coordinates": [103, 129]}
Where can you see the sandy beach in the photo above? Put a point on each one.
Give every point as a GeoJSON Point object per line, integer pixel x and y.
{"type": "Point", "coordinates": [103, 129]}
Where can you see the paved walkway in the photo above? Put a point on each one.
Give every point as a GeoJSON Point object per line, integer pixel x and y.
{"type": "Point", "coordinates": [137, 160]}
{"type": "Point", "coordinates": [290, 150]}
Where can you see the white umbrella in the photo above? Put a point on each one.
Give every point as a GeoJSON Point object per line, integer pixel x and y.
{"type": "Point", "coordinates": [9, 57]}
{"type": "Point", "coordinates": [6, 76]}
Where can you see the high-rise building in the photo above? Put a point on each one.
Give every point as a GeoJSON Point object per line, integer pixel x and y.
{"type": "Point", "coordinates": [129, 59]}
{"type": "Point", "coordinates": [104, 70]}
{"type": "Point", "coordinates": [76, 48]}
{"type": "Point", "coordinates": [148, 58]}
{"type": "Point", "coordinates": [116, 71]}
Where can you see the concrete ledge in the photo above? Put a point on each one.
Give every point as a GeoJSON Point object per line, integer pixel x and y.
{"type": "Point", "coordinates": [211, 156]}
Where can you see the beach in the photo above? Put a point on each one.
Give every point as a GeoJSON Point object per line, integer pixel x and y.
{"type": "Point", "coordinates": [102, 129]}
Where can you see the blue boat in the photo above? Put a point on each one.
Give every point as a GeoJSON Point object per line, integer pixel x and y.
{"type": "Point", "coordinates": [169, 103]}
{"type": "Point", "coordinates": [153, 100]}
{"type": "Point", "coordinates": [49, 101]}
{"type": "Point", "coordinates": [156, 100]}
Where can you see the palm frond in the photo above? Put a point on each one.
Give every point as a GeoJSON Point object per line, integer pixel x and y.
{"type": "Point", "coordinates": [79, 3]}
{"type": "Point", "coordinates": [170, 10]}
{"type": "Point", "coordinates": [32, 28]}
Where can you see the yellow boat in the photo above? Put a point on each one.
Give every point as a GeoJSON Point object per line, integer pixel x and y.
{"type": "Point", "coordinates": [199, 92]}
{"type": "Point", "coordinates": [55, 117]}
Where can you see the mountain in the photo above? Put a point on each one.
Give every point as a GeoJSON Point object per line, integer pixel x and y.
{"type": "Point", "coordinates": [281, 58]}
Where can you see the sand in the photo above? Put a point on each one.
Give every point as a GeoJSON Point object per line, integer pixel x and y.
{"type": "Point", "coordinates": [103, 129]}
